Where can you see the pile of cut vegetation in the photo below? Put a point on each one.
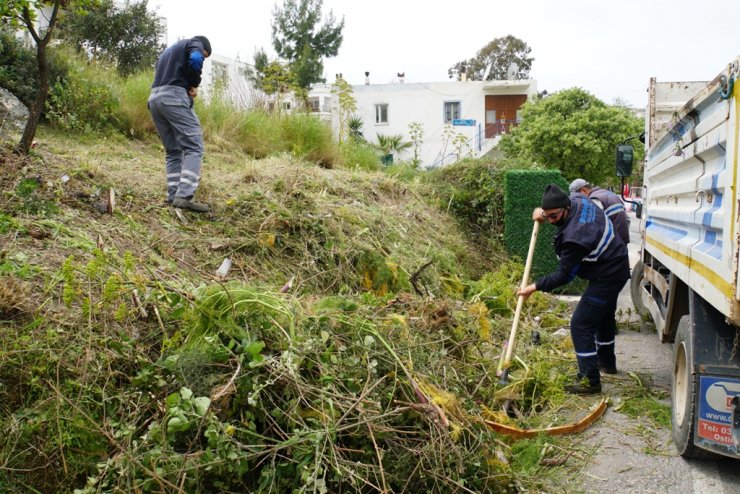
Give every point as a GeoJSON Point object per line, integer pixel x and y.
{"type": "Point", "coordinates": [352, 345]}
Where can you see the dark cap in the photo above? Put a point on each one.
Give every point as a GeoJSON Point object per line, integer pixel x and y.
{"type": "Point", "coordinates": [554, 197]}
{"type": "Point", "coordinates": [206, 43]}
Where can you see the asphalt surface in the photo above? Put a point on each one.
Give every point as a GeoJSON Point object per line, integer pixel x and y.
{"type": "Point", "coordinates": [630, 455]}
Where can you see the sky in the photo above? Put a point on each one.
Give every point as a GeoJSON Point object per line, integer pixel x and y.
{"type": "Point", "coordinates": [610, 48]}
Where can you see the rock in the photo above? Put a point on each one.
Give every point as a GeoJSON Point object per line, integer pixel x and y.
{"type": "Point", "coordinates": [561, 333]}
{"type": "Point", "coordinates": [13, 115]}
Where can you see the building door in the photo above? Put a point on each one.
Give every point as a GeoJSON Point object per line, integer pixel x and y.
{"type": "Point", "coordinates": [501, 113]}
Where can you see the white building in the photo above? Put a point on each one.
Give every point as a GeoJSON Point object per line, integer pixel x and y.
{"type": "Point", "coordinates": [458, 118]}
{"type": "Point", "coordinates": [229, 78]}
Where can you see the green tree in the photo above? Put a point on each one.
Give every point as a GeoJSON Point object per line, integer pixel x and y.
{"type": "Point", "coordinates": [257, 74]}
{"type": "Point", "coordinates": [19, 13]}
{"type": "Point", "coordinates": [127, 36]}
{"type": "Point", "coordinates": [347, 105]}
{"type": "Point", "coordinates": [573, 131]}
{"type": "Point", "coordinates": [276, 80]}
{"type": "Point", "coordinates": [501, 54]}
{"type": "Point", "coordinates": [300, 39]}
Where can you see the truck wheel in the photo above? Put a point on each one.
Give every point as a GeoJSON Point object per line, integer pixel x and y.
{"type": "Point", "coordinates": [636, 289]}
{"type": "Point", "coordinates": [684, 386]}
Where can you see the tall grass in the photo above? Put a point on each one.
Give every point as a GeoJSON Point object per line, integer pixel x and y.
{"type": "Point", "coordinates": [359, 155]}
{"type": "Point", "coordinates": [220, 121]}
{"type": "Point", "coordinates": [95, 98]}
{"type": "Point", "coordinates": [259, 133]}
{"type": "Point", "coordinates": [309, 138]}
{"type": "Point", "coordinates": [133, 115]}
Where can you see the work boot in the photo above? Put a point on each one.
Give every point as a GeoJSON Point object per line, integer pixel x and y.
{"type": "Point", "coordinates": [583, 387]}
{"type": "Point", "coordinates": [189, 204]}
{"type": "Point", "coordinates": [608, 370]}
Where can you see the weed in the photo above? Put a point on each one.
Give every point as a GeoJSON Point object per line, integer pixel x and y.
{"type": "Point", "coordinates": [640, 400]}
{"type": "Point", "coordinates": [8, 223]}
{"type": "Point", "coordinates": [31, 200]}
{"type": "Point", "coordinates": [16, 265]}
{"type": "Point", "coordinates": [527, 454]}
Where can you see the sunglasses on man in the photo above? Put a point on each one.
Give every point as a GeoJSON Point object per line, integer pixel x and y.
{"type": "Point", "coordinates": [552, 216]}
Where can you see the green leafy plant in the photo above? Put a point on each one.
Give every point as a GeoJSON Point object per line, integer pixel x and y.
{"type": "Point", "coordinates": [354, 125]}
{"type": "Point", "coordinates": [83, 101]}
{"type": "Point", "coordinates": [347, 108]}
{"type": "Point", "coordinates": [31, 200]}
{"type": "Point", "coordinates": [416, 134]}
{"type": "Point", "coordinates": [388, 145]}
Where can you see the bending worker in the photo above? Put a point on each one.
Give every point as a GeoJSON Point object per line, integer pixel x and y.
{"type": "Point", "coordinates": [589, 248]}
{"type": "Point", "coordinates": [174, 90]}
{"type": "Point", "coordinates": [610, 202]}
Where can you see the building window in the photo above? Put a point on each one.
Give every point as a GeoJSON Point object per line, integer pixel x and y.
{"type": "Point", "coordinates": [381, 114]}
{"type": "Point", "coordinates": [314, 104]}
{"type": "Point", "coordinates": [452, 111]}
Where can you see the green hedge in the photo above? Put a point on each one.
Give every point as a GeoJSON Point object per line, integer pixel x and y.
{"type": "Point", "coordinates": [522, 193]}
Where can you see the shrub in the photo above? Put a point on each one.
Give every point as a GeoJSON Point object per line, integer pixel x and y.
{"type": "Point", "coordinates": [359, 155]}
{"type": "Point", "coordinates": [83, 101]}
{"type": "Point", "coordinates": [473, 190]}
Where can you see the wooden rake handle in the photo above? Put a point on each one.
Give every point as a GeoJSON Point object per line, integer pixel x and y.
{"type": "Point", "coordinates": [506, 354]}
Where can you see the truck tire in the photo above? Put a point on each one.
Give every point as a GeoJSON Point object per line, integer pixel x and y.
{"type": "Point", "coordinates": [684, 386]}
{"type": "Point", "coordinates": [635, 289]}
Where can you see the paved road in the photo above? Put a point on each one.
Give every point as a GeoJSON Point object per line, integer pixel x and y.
{"type": "Point", "coordinates": [621, 464]}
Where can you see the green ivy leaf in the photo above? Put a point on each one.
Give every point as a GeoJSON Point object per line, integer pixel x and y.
{"type": "Point", "coordinates": [172, 400]}
{"type": "Point", "coordinates": [186, 393]}
{"type": "Point", "coordinates": [201, 404]}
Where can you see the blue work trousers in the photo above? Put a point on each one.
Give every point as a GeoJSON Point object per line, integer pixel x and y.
{"type": "Point", "coordinates": [593, 326]}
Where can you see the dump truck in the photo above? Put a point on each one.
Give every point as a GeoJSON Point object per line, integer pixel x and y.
{"type": "Point", "coordinates": [687, 277]}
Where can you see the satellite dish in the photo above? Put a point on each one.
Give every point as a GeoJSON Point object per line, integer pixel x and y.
{"type": "Point", "coordinates": [513, 71]}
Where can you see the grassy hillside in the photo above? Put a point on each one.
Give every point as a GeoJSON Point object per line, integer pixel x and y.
{"type": "Point", "coordinates": [352, 347]}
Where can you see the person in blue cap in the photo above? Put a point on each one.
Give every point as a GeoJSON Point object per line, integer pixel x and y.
{"type": "Point", "coordinates": [176, 80]}
{"type": "Point", "coordinates": [589, 248]}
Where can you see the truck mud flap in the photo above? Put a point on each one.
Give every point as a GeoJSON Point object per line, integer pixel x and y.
{"type": "Point", "coordinates": [718, 420]}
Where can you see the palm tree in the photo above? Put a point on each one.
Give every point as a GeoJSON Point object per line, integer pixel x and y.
{"type": "Point", "coordinates": [390, 145]}
{"type": "Point", "coordinates": [354, 124]}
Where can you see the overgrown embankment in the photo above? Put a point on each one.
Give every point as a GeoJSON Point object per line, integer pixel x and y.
{"type": "Point", "coordinates": [351, 348]}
